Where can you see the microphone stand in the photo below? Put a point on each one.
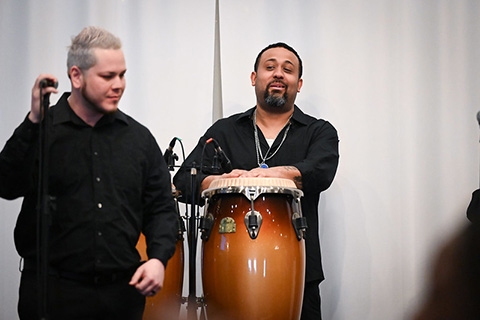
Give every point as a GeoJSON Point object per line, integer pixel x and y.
{"type": "Point", "coordinates": [193, 300]}
{"type": "Point", "coordinates": [43, 208]}
{"type": "Point", "coordinates": [192, 244]}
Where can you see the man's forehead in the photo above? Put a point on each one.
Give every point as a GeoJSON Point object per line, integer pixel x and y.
{"type": "Point", "coordinates": [108, 57]}
{"type": "Point", "coordinates": [107, 52]}
{"type": "Point", "coordinates": [279, 54]}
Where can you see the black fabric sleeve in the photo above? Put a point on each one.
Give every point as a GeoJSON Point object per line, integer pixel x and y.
{"type": "Point", "coordinates": [17, 161]}
{"type": "Point", "coordinates": [320, 165]}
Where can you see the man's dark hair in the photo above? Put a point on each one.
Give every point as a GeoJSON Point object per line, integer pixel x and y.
{"type": "Point", "coordinates": [280, 45]}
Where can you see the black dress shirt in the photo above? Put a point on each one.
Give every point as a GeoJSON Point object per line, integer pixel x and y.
{"type": "Point", "coordinates": [311, 146]}
{"type": "Point", "coordinates": [110, 183]}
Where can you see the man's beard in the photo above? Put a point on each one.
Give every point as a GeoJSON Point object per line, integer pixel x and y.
{"type": "Point", "coordinates": [275, 100]}
{"type": "Point", "coordinates": [93, 105]}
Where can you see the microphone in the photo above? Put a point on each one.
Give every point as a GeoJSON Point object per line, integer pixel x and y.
{"type": "Point", "coordinates": [224, 161]}
{"type": "Point", "coordinates": [169, 156]}
{"type": "Point", "coordinates": [48, 83]}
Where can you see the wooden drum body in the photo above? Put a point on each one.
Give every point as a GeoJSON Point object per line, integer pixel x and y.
{"type": "Point", "coordinates": [167, 302]}
{"type": "Point", "coordinates": [253, 255]}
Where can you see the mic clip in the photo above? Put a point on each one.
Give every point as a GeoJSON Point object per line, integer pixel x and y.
{"type": "Point", "coordinates": [216, 167]}
{"type": "Point", "coordinates": [170, 157]}
{"type": "Point", "coordinates": [220, 159]}
{"type": "Point", "coordinates": [171, 161]}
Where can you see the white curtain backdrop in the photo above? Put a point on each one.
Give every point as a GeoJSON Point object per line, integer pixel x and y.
{"type": "Point", "coordinates": [397, 78]}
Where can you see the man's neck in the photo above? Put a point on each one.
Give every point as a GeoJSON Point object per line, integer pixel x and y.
{"type": "Point", "coordinates": [271, 123]}
{"type": "Point", "coordinates": [87, 114]}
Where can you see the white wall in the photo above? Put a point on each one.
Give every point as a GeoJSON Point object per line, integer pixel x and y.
{"type": "Point", "coordinates": [398, 79]}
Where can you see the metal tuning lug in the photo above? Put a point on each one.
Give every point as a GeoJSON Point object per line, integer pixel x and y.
{"type": "Point", "coordinates": [253, 222]}
{"type": "Point", "coordinates": [253, 219]}
{"type": "Point", "coordinates": [299, 222]}
{"type": "Point", "coordinates": [206, 224]}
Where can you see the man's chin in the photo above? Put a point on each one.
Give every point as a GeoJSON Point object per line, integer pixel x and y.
{"type": "Point", "coordinates": [276, 101]}
{"type": "Point", "coordinates": [107, 110]}
{"type": "Point", "coordinates": [111, 111]}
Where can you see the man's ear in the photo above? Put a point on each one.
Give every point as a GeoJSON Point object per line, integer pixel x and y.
{"type": "Point", "coordinates": [253, 78]}
{"type": "Point", "coordinates": [76, 77]}
{"type": "Point", "coordinates": [299, 85]}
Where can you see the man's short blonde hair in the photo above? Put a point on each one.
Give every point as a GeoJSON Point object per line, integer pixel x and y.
{"type": "Point", "coordinates": [80, 52]}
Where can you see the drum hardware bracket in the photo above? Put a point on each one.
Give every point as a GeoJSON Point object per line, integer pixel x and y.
{"type": "Point", "coordinates": [206, 224]}
{"type": "Point", "coordinates": [300, 225]}
{"type": "Point", "coordinates": [299, 222]}
{"type": "Point", "coordinates": [181, 228]}
{"type": "Point", "coordinates": [253, 219]}
{"type": "Point", "coordinates": [253, 222]}
{"type": "Point", "coordinates": [200, 302]}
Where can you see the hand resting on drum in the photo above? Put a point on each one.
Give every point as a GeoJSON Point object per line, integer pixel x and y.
{"type": "Point", "coordinates": [286, 172]}
{"type": "Point", "coordinates": [148, 279]}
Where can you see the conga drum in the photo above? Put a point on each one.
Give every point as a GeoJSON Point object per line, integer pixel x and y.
{"type": "Point", "coordinates": [167, 302]}
{"type": "Point", "coordinates": [253, 251]}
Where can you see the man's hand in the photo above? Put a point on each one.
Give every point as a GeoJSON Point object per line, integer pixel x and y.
{"type": "Point", "coordinates": [34, 114]}
{"type": "Point", "coordinates": [285, 172]}
{"type": "Point", "coordinates": [235, 173]}
{"type": "Point", "coordinates": [148, 279]}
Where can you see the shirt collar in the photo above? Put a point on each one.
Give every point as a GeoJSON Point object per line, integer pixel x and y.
{"type": "Point", "coordinates": [298, 115]}
{"type": "Point", "coordinates": [64, 113]}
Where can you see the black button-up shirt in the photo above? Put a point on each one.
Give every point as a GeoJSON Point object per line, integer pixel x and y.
{"type": "Point", "coordinates": [311, 145]}
{"type": "Point", "coordinates": [110, 183]}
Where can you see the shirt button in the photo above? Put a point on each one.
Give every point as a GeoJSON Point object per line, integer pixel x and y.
{"type": "Point", "coordinates": [99, 205]}
{"type": "Point", "coordinates": [97, 179]}
{"type": "Point", "coordinates": [95, 153]}
{"type": "Point", "coordinates": [99, 233]}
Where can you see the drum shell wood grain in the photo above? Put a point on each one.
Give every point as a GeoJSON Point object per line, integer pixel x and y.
{"type": "Point", "coordinates": [260, 278]}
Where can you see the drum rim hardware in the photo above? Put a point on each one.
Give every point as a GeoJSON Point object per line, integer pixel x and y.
{"type": "Point", "coordinates": [253, 219]}
{"type": "Point", "coordinates": [255, 191]}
